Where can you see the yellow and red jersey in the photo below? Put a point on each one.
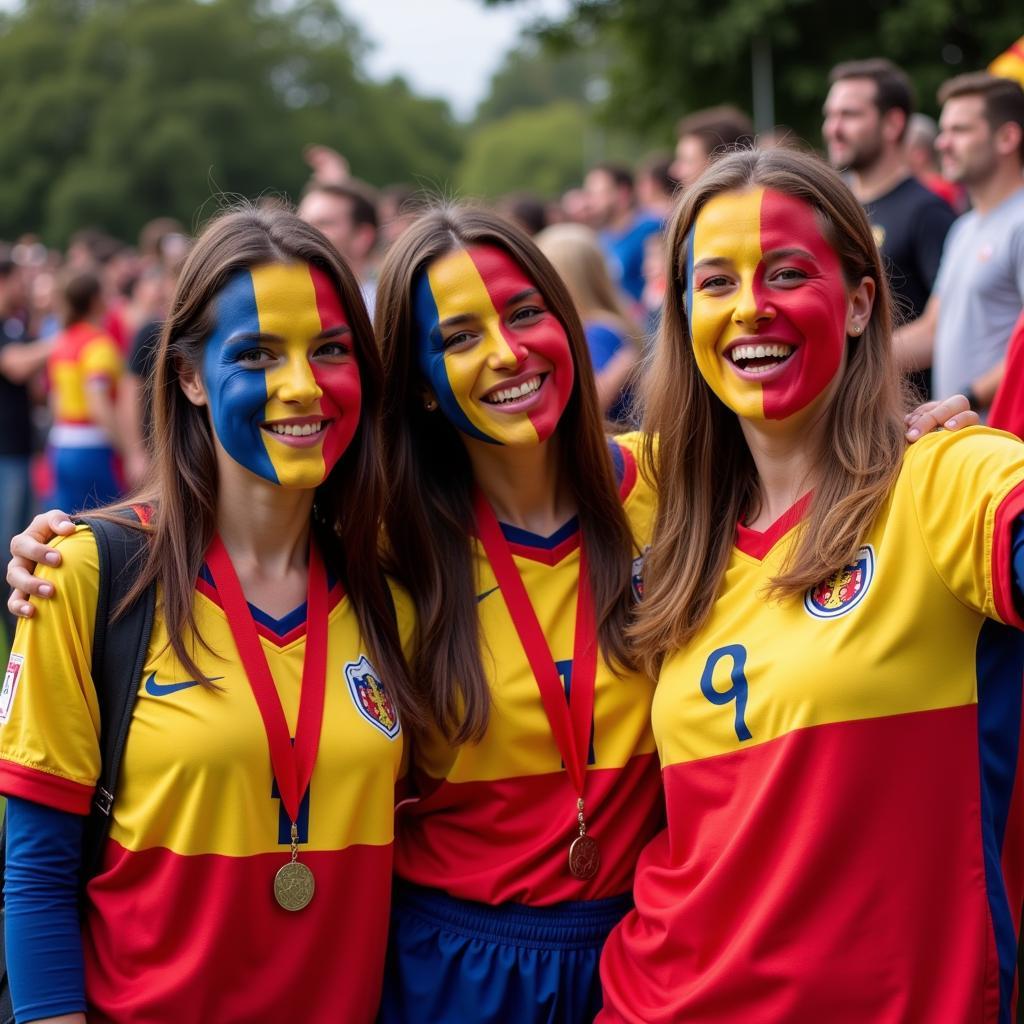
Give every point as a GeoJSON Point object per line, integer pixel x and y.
{"type": "Point", "coordinates": [82, 355]}
{"type": "Point", "coordinates": [842, 772]}
{"type": "Point", "coordinates": [495, 818]}
{"type": "Point", "coordinates": [181, 922]}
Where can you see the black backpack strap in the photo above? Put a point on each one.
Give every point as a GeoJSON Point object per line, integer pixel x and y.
{"type": "Point", "coordinates": [118, 657]}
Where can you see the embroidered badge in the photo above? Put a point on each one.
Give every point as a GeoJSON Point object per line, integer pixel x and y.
{"type": "Point", "coordinates": [843, 590]}
{"type": "Point", "coordinates": [11, 677]}
{"type": "Point", "coordinates": [637, 575]}
{"type": "Point", "coordinates": [370, 697]}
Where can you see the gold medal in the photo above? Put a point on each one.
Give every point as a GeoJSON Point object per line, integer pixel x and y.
{"type": "Point", "coordinates": [584, 854]}
{"type": "Point", "coordinates": [294, 886]}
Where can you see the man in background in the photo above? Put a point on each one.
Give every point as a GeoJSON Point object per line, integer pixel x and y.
{"type": "Point", "coordinates": [347, 214]}
{"type": "Point", "coordinates": [701, 134]}
{"type": "Point", "coordinates": [867, 112]}
{"type": "Point", "coordinates": [623, 227]}
{"type": "Point", "coordinates": [979, 292]}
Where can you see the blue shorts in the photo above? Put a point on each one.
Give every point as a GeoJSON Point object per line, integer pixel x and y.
{"type": "Point", "coordinates": [454, 961]}
{"type": "Point", "coordinates": [84, 478]}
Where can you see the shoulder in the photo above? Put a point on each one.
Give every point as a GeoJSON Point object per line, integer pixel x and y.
{"type": "Point", "coordinates": [75, 582]}
{"type": "Point", "coordinates": [638, 494]}
{"type": "Point", "coordinates": [943, 457]}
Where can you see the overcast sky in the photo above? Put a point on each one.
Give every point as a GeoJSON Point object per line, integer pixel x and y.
{"type": "Point", "coordinates": [446, 48]}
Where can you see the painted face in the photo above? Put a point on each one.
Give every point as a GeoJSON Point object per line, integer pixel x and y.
{"type": "Point", "coordinates": [767, 303]}
{"type": "Point", "coordinates": [497, 359]}
{"type": "Point", "coordinates": [280, 375]}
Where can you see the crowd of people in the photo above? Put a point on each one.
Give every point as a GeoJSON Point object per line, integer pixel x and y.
{"type": "Point", "coordinates": [551, 620]}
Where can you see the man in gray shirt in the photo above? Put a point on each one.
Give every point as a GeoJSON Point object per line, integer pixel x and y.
{"type": "Point", "coordinates": [979, 292]}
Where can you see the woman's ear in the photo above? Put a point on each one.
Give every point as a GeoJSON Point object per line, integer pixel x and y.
{"type": "Point", "coordinates": [191, 382]}
{"type": "Point", "coordinates": [861, 302]}
{"type": "Point", "coordinates": [428, 398]}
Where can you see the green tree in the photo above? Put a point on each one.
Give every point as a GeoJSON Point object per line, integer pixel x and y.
{"type": "Point", "coordinates": [673, 56]}
{"type": "Point", "coordinates": [115, 111]}
{"type": "Point", "coordinates": [541, 150]}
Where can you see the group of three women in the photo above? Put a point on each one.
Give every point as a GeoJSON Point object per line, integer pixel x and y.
{"type": "Point", "coordinates": [836, 722]}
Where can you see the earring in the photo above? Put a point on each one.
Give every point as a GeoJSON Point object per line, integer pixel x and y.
{"type": "Point", "coordinates": [856, 329]}
{"type": "Point", "coordinates": [430, 404]}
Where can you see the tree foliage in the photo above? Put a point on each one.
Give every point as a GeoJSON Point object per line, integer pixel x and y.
{"type": "Point", "coordinates": [115, 111]}
{"type": "Point", "coordinates": [674, 56]}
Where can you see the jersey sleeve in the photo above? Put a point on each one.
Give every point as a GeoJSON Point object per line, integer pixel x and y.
{"type": "Point", "coordinates": [49, 715]}
{"type": "Point", "coordinates": [101, 359]}
{"type": "Point", "coordinates": [968, 489]}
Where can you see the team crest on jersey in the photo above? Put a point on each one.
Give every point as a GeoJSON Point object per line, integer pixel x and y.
{"type": "Point", "coordinates": [10, 686]}
{"type": "Point", "coordinates": [843, 590]}
{"type": "Point", "coordinates": [370, 697]}
{"type": "Point", "coordinates": [637, 576]}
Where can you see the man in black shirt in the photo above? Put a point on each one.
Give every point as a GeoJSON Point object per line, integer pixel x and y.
{"type": "Point", "coordinates": [866, 114]}
{"type": "Point", "coordinates": [20, 360]}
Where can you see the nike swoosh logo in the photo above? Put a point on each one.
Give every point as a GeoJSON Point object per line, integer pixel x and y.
{"type": "Point", "coordinates": [486, 593]}
{"type": "Point", "coordinates": [155, 689]}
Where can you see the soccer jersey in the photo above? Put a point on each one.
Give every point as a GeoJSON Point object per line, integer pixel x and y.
{"type": "Point", "coordinates": [496, 817]}
{"type": "Point", "coordinates": [81, 356]}
{"type": "Point", "coordinates": [181, 922]}
{"type": "Point", "coordinates": [845, 839]}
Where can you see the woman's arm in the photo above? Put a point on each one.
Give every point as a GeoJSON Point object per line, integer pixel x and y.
{"type": "Point", "coordinates": [43, 939]}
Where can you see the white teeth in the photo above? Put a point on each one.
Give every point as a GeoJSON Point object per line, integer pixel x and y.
{"type": "Point", "coordinates": [760, 352]}
{"type": "Point", "coordinates": [299, 430]}
{"type": "Point", "coordinates": [518, 391]}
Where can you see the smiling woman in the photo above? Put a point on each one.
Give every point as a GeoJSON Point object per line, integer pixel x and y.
{"type": "Point", "coordinates": [254, 817]}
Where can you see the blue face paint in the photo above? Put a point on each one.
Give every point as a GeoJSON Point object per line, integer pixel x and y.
{"type": "Point", "coordinates": [689, 277]}
{"type": "Point", "coordinates": [237, 392]}
{"type": "Point", "coordinates": [430, 350]}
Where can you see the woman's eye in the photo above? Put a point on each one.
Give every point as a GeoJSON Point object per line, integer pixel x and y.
{"type": "Point", "coordinates": [333, 349]}
{"type": "Point", "coordinates": [255, 355]}
{"type": "Point", "coordinates": [789, 275]}
{"type": "Point", "coordinates": [457, 339]}
{"type": "Point", "coordinates": [710, 283]}
{"type": "Point", "coordinates": [526, 314]}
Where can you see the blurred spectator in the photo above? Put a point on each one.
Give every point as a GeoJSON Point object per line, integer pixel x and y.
{"type": "Point", "coordinates": [700, 134]}
{"type": "Point", "coordinates": [20, 360]}
{"type": "Point", "coordinates": [575, 206]}
{"type": "Point", "coordinates": [655, 186]}
{"type": "Point", "coordinates": [612, 336]}
{"type": "Point", "coordinates": [922, 131]}
{"type": "Point", "coordinates": [84, 368]}
{"type": "Point", "coordinates": [611, 201]}
{"type": "Point", "coordinates": [525, 211]}
{"type": "Point", "coordinates": [980, 288]}
{"type": "Point", "coordinates": [866, 115]}
{"type": "Point", "coordinates": [163, 240]}
{"type": "Point", "coordinates": [347, 215]}
{"type": "Point", "coordinates": [655, 283]}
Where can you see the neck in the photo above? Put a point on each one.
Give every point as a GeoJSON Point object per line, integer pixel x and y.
{"type": "Point", "coordinates": [523, 484]}
{"type": "Point", "coordinates": [264, 527]}
{"type": "Point", "coordinates": [785, 456]}
{"type": "Point", "coordinates": [622, 220]}
{"type": "Point", "coordinates": [990, 193]}
{"type": "Point", "coordinates": [881, 177]}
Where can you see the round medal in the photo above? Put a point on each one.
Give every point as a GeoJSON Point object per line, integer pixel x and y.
{"type": "Point", "coordinates": [294, 886]}
{"type": "Point", "coordinates": [584, 857]}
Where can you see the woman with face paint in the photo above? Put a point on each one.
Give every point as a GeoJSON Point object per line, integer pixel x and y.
{"type": "Point", "coordinates": [511, 522]}
{"type": "Point", "coordinates": [248, 869]}
{"type": "Point", "coordinates": [833, 622]}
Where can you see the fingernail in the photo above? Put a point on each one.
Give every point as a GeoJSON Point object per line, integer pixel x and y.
{"type": "Point", "coordinates": [65, 523]}
{"type": "Point", "coordinates": [45, 589]}
{"type": "Point", "coordinates": [26, 610]}
{"type": "Point", "coordinates": [951, 423]}
{"type": "Point", "coordinates": [914, 434]}
{"type": "Point", "coordinates": [51, 558]}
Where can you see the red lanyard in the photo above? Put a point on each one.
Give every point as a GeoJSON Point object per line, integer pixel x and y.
{"type": "Point", "coordinates": [292, 763]}
{"type": "Point", "coordinates": [570, 720]}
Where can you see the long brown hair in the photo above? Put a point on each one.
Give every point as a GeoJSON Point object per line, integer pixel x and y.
{"type": "Point", "coordinates": [182, 489]}
{"type": "Point", "coordinates": [430, 515]}
{"type": "Point", "coordinates": [695, 450]}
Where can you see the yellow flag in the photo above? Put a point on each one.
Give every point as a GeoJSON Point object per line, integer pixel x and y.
{"type": "Point", "coordinates": [1010, 64]}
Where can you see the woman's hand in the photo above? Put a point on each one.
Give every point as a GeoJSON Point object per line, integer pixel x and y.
{"type": "Point", "coordinates": [949, 414]}
{"type": "Point", "coordinates": [28, 549]}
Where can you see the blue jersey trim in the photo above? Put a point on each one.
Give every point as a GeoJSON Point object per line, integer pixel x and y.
{"type": "Point", "coordinates": [1000, 665]}
{"type": "Point", "coordinates": [517, 535]}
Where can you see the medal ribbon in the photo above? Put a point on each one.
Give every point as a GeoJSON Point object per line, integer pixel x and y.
{"type": "Point", "coordinates": [292, 763]}
{"type": "Point", "coordinates": [569, 720]}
